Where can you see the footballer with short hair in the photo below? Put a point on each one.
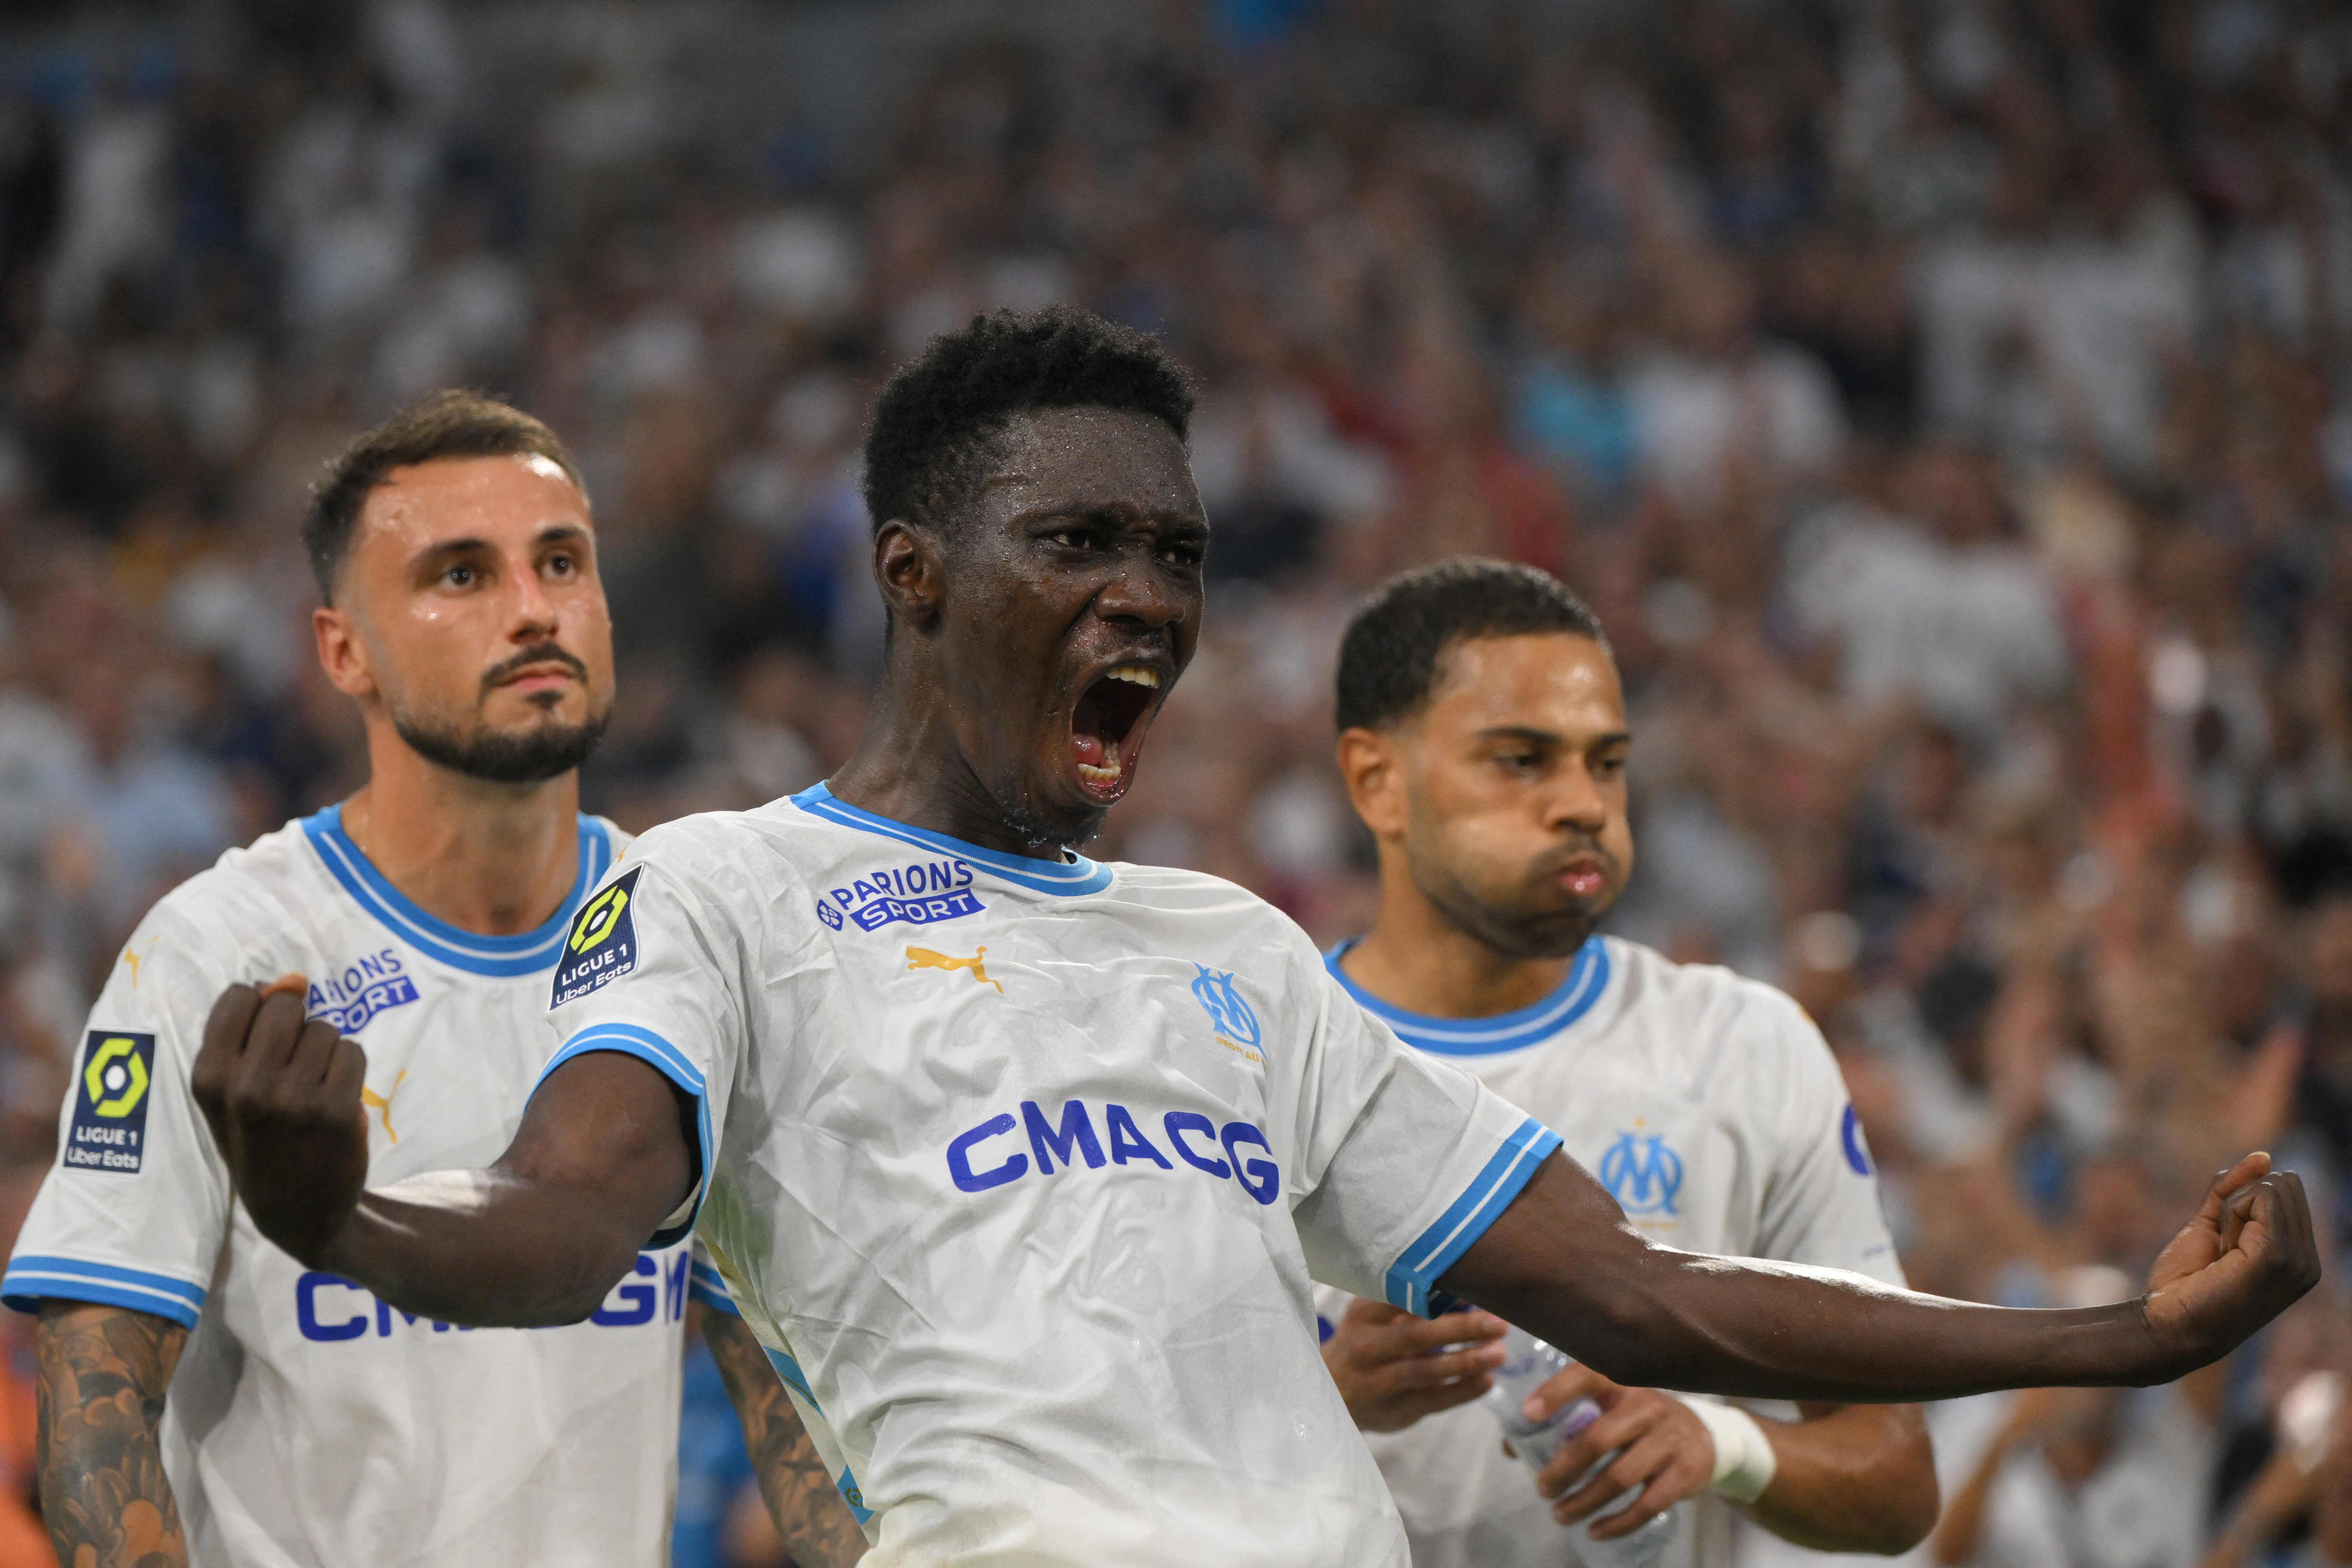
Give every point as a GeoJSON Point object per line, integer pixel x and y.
{"type": "Point", "coordinates": [206, 1396]}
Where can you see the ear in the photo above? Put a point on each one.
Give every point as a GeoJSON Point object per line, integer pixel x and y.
{"type": "Point", "coordinates": [909, 569]}
{"type": "Point", "coordinates": [1371, 765]}
{"type": "Point", "coordinates": [341, 652]}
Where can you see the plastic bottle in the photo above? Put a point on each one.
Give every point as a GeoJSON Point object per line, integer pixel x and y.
{"type": "Point", "coordinates": [1528, 1364]}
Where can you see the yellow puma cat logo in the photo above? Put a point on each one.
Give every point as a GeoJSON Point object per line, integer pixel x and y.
{"type": "Point", "coordinates": [381, 1104]}
{"type": "Point", "coordinates": [924, 959]}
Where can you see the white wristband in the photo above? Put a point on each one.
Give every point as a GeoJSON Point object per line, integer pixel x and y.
{"type": "Point", "coordinates": [1745, 1461]}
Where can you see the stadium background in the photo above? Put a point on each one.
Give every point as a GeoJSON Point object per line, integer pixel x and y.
{"type": "Point", "coordinates": [1941, 400]}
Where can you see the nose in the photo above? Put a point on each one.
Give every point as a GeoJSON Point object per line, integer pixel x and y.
{"type": "Point", "coordinates": [1137, 593]}
{"type": "Point", "coordinates": [533, 615]}
{"type": "Point", "coordinates": [1576, 800]}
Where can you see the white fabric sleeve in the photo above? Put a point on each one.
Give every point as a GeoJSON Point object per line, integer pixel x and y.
{"type": "Point", "coordinates": [1402, 1160]}
{"type": "Point", "coordinates": [649, 970]}
{"type": "Point", "coordinates": [706, 1285]}
{"type": "Point", "coordinates": [134, 1212]}
{"type": "Point", "coordinates": [1821, 1200]}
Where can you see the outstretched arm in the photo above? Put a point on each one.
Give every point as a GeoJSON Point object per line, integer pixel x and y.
{"type": "Point", "coordinates": [1561, 1262]}
{"type": "Point", "coordinates": [814, 1523]}
{"type": "Point", "coordinates": [104, 1497]}
{"type": "Point", "coordinates": [601, 1157]}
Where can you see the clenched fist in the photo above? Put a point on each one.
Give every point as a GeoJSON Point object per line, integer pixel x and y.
{"type": "Point", "coordinates": [282, 1095]}
{"type": "Point", "coordinates": [2246, 1258]}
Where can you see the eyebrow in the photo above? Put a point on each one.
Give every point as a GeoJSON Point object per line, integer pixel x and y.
{"type": "Point", "coordinates": [554, 533]}
{"type": "Point", "coordinates": [1551, 737]}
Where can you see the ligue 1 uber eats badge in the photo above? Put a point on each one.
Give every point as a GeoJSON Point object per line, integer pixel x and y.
{"type": "Point", "coordinates": [602, 945]}
{"type": "Point", "coordinates": [109, 1121]}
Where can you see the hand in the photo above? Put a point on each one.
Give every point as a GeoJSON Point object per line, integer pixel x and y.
{"type": "Point", "coordinates": [2243, 1259]}
{"type": "Point", "coordinates": [1393, 1368]}
{"type": "Point", "coordinates": [1666, 1453]}
{"type": "Point", "coordinates": [283, 1099]}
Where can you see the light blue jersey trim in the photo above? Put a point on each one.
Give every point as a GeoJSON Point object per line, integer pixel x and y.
{"type": "Point", "coordinates": [503, 958]}
{"type": "Point", "coordinates": [1413, 1279]}
{"type": "Point", "coordinates": [1076, 875]}
{"type": "Point", "coordinates": [30, 1280]}
{"type": "Point", "coordinates": [1579, 990]}
{"type": "Point", "coordinates": [705, 1285]}
{"type": "Point", "coordinates": [797, 1381]}
{"type": "Point", "coordinates": [672, 1063]}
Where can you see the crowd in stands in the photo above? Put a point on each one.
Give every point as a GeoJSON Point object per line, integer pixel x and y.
{"type": "Point", "coordinates": [1943, 401]}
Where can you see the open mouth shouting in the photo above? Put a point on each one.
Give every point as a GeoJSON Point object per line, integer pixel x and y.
{"type": "Point", "coordinates": [1106, 727]}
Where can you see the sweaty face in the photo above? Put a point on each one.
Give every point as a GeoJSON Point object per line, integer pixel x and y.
{"type": "Point", "coordinates": [1073, 602]}
{"type": "Point", "coordinates": [470, 609]}
{"type": "Point", "coordinates": [1514, 780]}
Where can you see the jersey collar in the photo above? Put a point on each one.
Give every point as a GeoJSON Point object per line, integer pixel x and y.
{"type": "Point", "coordinates": [1579, 990]}
{"type": "Point", "coordinates": [1075, 875]}
{"type": "Point", "coordinates": [499, 956]}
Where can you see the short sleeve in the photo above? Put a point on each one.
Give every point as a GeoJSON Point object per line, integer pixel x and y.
{"type": "Point", "coordinates": [706, 1285]}
{"type": "Point", "coordinates": [649, 970]}
{"type": "Point", "coordinates": [134, 1212]}
{"type": "Point", "coordinates": [1820, 1203]}
{"type": "Point", "coordinates": [1406, 1160]}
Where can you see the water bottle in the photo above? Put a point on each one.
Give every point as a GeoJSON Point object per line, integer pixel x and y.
{"type": "Point", "coordinates": [1528, 1364]}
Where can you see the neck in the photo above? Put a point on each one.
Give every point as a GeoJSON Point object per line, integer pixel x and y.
{"type": "Point", "coordinates": [493, 859]}
{"type": "Point", "coordinates": [910, 766]}
{"type": "Point", "coordinates": [1416, 958]}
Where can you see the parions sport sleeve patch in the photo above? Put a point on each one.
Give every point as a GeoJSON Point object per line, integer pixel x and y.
{"type": "Point", "coordinates": [603, 945]}
{"type": "Point", "coordinates": [110, 1120]}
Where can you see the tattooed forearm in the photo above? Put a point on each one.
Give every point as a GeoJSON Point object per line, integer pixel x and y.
{"type": "Point", "coordinates": [103, 1370]}
{"type": "Point", "coordinates": [809, 1512]}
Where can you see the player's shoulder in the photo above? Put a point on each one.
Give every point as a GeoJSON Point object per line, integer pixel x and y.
{"type": "Point", "coordinates": [1711, 1001]}
{"type": "Point", "coordinates": [278, 875]}
{"type": "Point", "coordinates": [1175, 892]}
{"type": "Point", "coordinates": [725, 856]}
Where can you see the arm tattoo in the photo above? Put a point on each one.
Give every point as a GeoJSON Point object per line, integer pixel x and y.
{"type": "Point", "coordinates": [103, 1493]}
{"type": "Point", "coordinates": [807, 1508]}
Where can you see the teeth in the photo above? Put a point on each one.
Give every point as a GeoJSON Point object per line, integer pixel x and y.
{"type": "Point", "coordinates": [1142, 675]}
{"type": "Point", "coordinates": [1094, 775]}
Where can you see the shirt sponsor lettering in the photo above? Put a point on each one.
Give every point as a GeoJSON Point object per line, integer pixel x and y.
{"type": "Point", "coordinates": [923, 893]}
{"type": "Point", "coordinates": [361, 990]}
{"type": "Point", "coordinates": [330, 1309]}
{"type": "Point", "coordinates": [603, 945]}
{"type": "Point", "coordinates": [108, 1132]}
{"type": "Point", "coordinates": [1067, 1139]}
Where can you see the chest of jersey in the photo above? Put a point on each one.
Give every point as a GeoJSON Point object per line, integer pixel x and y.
{"type": "Point", "coordinates": [1684, 1160]}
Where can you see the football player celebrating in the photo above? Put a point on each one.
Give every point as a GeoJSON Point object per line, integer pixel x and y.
{"type": "Point", "coordinates": [310, 1421]}
{"type": "Point", "coordinates": [1021, 1165]}
{"type": "Point", "coordinates": [1483, 739]}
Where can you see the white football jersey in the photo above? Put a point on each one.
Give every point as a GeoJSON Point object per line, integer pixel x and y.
{"type": "Point", "coordinates": [1021, 1169]}
{"type": "Point", "coordinates": [1711, 1108]}
{"type": "Point", "coordinates": [308, 1423]}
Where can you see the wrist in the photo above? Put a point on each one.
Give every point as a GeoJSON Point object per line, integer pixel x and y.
{"type": "Point", "coordinates": [1745, 1459]}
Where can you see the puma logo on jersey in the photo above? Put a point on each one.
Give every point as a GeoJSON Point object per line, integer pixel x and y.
{"type": "Point", "coordinates": [924, 959]}
{"type": "Point", "coordinates": [382, 1104]}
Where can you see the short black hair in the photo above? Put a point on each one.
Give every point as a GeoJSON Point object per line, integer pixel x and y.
{"type": "Point", "coordinates": [937, 420]}
{"type": "Point", "coordinates": [448, 423]}
{"type": "Point", "coordinates": [1389, 656]}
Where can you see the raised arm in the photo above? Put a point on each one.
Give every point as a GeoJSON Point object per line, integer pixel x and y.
{"type": "Point", "coordinates": [603, 1157]}
{"type": "Point", "coordinates": [804, 1503]}
{"type": "Point", "coordinates": [104, 1497]}
{"type": "Point", "coordinates": [1562, 1262]}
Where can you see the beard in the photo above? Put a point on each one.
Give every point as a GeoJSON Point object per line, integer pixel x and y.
{"type": "Point", "coordinates": [528, 756]}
